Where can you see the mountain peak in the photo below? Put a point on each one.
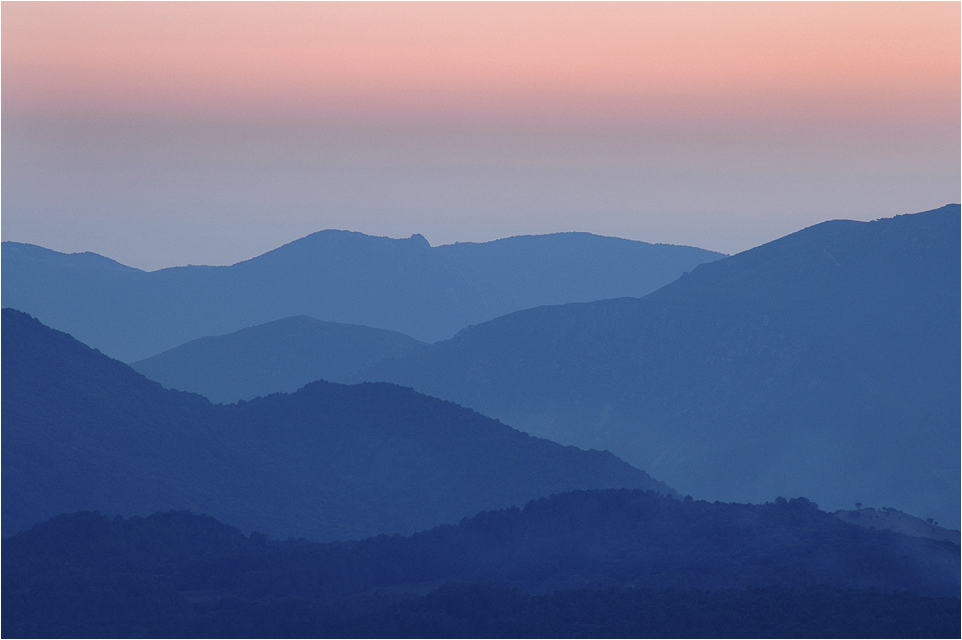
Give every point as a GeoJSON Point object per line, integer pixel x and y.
{"type": "Point", "coordinates": [420, 241]}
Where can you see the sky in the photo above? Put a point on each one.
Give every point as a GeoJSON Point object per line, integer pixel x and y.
{"type": "Point", "coordinates": [162, 134]}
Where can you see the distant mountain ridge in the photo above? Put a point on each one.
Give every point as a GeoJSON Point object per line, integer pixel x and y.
{"type": "Point", "coordinates": [823, 364]}
{"type": "Point", "coordinates": [408, 286]}
{"type": "Point", "coordinates": [83, 431]}
{"type": "Point", "coordinates": [276, 357]}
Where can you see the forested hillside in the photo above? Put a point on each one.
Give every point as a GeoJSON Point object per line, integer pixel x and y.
{"type": "Point", "coordinates": [590, 563]}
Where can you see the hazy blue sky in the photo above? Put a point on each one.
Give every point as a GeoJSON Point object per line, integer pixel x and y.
{"type": "Point", "coordinates": [164, 134]}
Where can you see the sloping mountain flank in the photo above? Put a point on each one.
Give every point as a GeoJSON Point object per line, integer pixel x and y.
{"type": "Point", "coordinates": [825, 364]}
{"type": "Point", "coordinates": [336, 276]}
{"type": "Point", "coordinates": [84, 432]}
{"type": "Point", "coordinates": [279, 356]}
{"type": "Point", "coordinates": [894, 520]}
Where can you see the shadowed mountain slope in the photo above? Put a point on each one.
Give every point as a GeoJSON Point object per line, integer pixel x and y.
{"type": "Point", "coordinates": [279, 356]}
{"type": "Point", "coordinates": [83, 431]}
{"type": "Point", "coordinates": [825, 363]}
{"type": "Point", "coordinates": [338, 276]}
{"type": "Point", "coordinates": [601, 562]}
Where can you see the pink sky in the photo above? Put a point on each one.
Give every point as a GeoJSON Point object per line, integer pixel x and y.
{"type": "Point", "coordinates": [721, 125]}
{"type": "Point", "coordinates": [894, 61]}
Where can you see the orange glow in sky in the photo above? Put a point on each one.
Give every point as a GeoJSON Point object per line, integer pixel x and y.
{"type": "Point", "coordinates": [621, 61]}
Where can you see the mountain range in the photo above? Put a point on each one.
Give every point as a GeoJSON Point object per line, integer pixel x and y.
{"type": "Point", "coordinates": [825, 364]}
{"type": "Point", "coordinates": [822, 364]}
{"type": "Point", "coordinates": [792, 367]}
{"type": "Point", "coordinates": [408, 286]}
{"type": "Point", "coordinates": [84, 431]}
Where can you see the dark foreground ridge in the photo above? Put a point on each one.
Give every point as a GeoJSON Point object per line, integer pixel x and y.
{"type": "Point", "coordinates": [580, 564]}
{"type": "Point", "coordinates": [84, 432]}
